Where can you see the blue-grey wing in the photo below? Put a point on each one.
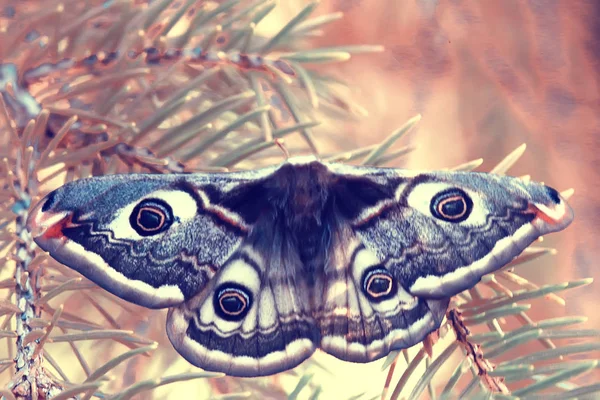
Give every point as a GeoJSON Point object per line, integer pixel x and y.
{"type": "Point", "coordinates": [364, 312]}
{"type": "Point", "coordinates": [404, 242]}
{"type": "Point", "coordinates": [154, 240]}
{"type": "Point", "coordinates": [201, 244]}
{"type": "Point", "coordinates": [438, 233]}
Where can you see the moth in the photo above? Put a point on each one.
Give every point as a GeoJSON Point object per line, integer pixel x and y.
{"type": "Point", "coordinates": [261, 268]}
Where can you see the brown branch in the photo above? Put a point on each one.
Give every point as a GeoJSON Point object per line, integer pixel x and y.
{"type": "Point", "coordinates": [474, 352]}
{"type": "Point", "coordinates": [30, 380]}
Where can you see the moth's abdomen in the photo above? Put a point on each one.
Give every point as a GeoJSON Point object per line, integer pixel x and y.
{"type": "Point", "coordinates": [313, 240]}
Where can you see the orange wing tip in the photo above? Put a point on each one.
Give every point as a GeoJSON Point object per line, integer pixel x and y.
{"type": "Point", "coordinates": [47, 224]}
{"type": "Point", "coordinates": [557, 215]}
{"type": "Point", "coordinates": [55, 231]}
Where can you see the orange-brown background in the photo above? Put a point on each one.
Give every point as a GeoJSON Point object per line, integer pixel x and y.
{"type": "Point", "coordinates": [488, 76]}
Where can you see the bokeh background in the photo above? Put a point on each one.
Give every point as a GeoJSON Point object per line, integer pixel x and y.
{"type": "Point", "coordinates": [488, 76]}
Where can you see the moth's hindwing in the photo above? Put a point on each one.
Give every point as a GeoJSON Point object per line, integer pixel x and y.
{"type": "Point", "coordinates": [254, 319]}
{"type": "Point", "coordinates": [365, 312]}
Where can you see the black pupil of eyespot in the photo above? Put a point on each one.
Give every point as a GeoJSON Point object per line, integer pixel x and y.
{"type": "Point", "coordinates": [453, 207]}
{"type": "Point", "coordinates": [379, 285]}
{"type": "Point", "coordinates": [150, 219]}
{"type": "Point", "coordinates": [232, 304]}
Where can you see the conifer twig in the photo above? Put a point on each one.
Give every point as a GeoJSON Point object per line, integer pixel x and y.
{"type": "Point", "coordinates": [473, 351]}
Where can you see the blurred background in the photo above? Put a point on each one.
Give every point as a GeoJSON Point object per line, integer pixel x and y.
{"type": "Point", "coordinates": [486, 76]}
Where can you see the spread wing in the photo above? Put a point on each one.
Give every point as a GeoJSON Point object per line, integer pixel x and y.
{"type": "Point", "coordinates": [438, 233]}
{"type": "Point", "coordinates": [154, 240]}
{"type": "Point", "coordinates": [255, 317]}
{"type": "Point", "coordinates": [406, 242]}
{"type": "Point", "coordinates": [218, 248]}
{"type": "Point", "coordinates": [365, 312]}
{"type": "Point", "coordinates": [204, 244]}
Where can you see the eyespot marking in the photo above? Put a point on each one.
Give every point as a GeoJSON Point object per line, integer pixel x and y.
{"type": "Point", "coordinates": [232, 301]}
{"type": "Point", "coordinates": [151, 217]}
{"type": "Point", "coordinates": [378, 284]}
{"type": "Point", "coordinates": [451, 205]}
